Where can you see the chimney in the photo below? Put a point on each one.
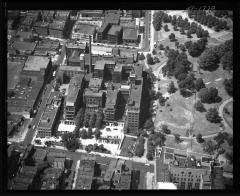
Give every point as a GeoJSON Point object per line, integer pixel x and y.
{"type": "Point", "coordinates": [90, 56]}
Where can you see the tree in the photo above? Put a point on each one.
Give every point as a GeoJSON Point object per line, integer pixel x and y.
{"type": "Point", "coordinates": [208, 95]}
{"type": "Point", "coordinates": [209, 147]}
{"type": "Point", "coordinates": [230, 141]}
{"type": "Point", "coordinates": [171, 88]}
{"type": "Point", "coordinates": [229, 156]}
{"type": "Point", "coordinates": [177, 138]}
{"type": "Point", "coordinates": [161, 47]}
{"type": "Point", "coordinates": [228, 84]}
{"type": "Point", "coordinates": [208, 60]}
{"type": "Point", "coordinates": [148, 124]}
{"type": "Point", "coordinates": [199, 84]}
{"type": "Point", "coordinates": [70, 141]}
{"type": "Point", "coordinates": [182, 47]}
{"type": "Point", "coordinates": [97, 133]}
{"type": "Point", "coordinates": [213, 116]}
{"type": "Point", "coordinates": [177, 44]}
{"type": "Point", "coordinates": [154, 52]}
{"type": "Point", "coordinates": [166, 27]}
{"type": "Point", "coordinates": [84, 134]}
{"type": "Point", "coordinates": [172, 37]}
{"type": "Point", "coordinates": [227, 60]}
{"type": "Point", "coordinates": [221, 137]}
{"type": "Point", "coordinates": [141, 57]}
{"type": "Point", "coordinates": [182, 31]}
{"type": "Point", "coordinates": [149, 156]}
{"type": "Point", "coordinates": [89, 133]}
{"type": "Point", "coordinates": [165, 129]}
{"type": "Point", "coordinates": [199, 138]}
{"type": "Point", "coordinates": [150, 59]}
{"type": "Point", "coordinates": [194, 50]}
{"type": "Point", "coordinates": [199, 106]}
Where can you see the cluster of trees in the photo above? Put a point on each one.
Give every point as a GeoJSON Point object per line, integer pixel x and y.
{"type": "Point", "coordinates": [209, 147]}
{"type": "Point", "coordinates": [186, 84]}
{"type": "Point", "coordinates": [211, 57]}
{"type": "Point", "coordinates": [213, 116]}
{"type": "Point", "coordinates": [150, 60]}
{"type": "Point", "coordinates": [177, 64]}
{"type": "Point", "coordinates": [89, 119]}
{"type": "Point", "coordinates": [97, 148]}
{"type": "Point", "coordinates": [222, 13]}
{"type": "Point", "coordinates": [228, 84]}
{"type": "Point", "coordinates": [149, 125]}
{"type": "Point", "coordinates": [172, 37]}
{"type": "Point", "coordinates": [155, 139]}
{"type": "Point", "coordinates": [206, 19]}
{"type": "Point", "coordinates": [139, 151]}
{"type": "Point", "coordinates": [178, 23]}
{"type": "Point", "coordinates": [70, 141]}
{"type": "Point", "coordinates": [195, 49]}
{"type": "Point", "coordinates": [171, 88]}
{"type": "Point", "coordinates": [209, 95]}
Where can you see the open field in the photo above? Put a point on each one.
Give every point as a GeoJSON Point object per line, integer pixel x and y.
{"type": "Point", "coordinates": [228, 117]}
{"type": "Point", "coordinates": [194, 146]}
{"type": "Point", "coordinates": [126, 144]}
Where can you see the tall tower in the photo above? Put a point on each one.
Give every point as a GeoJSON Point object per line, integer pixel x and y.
{"type": "Point", "coordinates": [90, 54]}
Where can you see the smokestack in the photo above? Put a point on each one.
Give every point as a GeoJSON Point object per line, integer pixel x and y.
{"type": "Point", "coordinates": [90, 56]}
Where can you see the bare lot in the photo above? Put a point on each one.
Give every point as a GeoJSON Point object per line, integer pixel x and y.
{"type": "Point", "coordinates": [127, 144]}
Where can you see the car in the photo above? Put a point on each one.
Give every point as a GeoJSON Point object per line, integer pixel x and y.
{"type": "Point", "coordinates": [33, 126]}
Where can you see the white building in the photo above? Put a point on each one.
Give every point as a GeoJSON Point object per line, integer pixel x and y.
{"type": "Point", "coordinates": [81, 32]}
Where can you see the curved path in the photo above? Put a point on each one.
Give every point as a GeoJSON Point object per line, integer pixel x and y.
{"type": "Point", "coordinates": [220, 111]}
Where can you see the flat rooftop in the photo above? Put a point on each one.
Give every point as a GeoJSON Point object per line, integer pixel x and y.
{"type": "Point", "coordinates": [35, 63]}
{"type": "Point", "coordinates": [57, 24]}
{"type": "Point", "coordinates": [114, 30]}
{"type": "Point", "coordinates": [76, 45]}
{"type": "Point", "coordinates": [118, 68]}
{"type": "Point", "coordinates": [111, 98]}
{"type": "Point", "coordinates": [69, 68]}
{"type": "Point", "coordinates": [95, 82]}
{"type": "Point", "coordinates": [130, 34]}
{"type": "Point", "coordinates": [84, 29]}
{"type": "Point", "coordinates": [24, 46]}
{"type": "Point", "coordinates": [135, 97]}
{"type": "Point", "coordinates": [89, 92]}
{"type": "Point", "coordinates": [48, 117]}
{"type": "Point", "coordinates": [40, 154]}
{"type": "Point", "coordinates": [14, 69]}
{"type": "Point", "coordinates": [112, 17]}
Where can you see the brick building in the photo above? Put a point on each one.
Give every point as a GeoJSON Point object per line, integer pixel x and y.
{"type": "Point", "coordinates": [111, 105]}
{"type": "Point", "coordinates": [114, 35]}
{"type": "Point", "coordinates": [82, 32]}
{"type": "Point", "coordinates": [74, 97]}
{"type": "Point", "coordinates": [57, 28]}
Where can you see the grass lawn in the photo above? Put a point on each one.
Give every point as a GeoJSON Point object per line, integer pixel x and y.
{"type": "Point", "coordinates": [196, 147]}
{"type": "Point", "coordinates": [228, 117]}
{"type": "Point", "coordinates": [127, 142]}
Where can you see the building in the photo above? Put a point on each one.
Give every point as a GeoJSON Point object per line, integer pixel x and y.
{"type": "Point", "coordinates": [92, 13]}
{"type": "Point", "coordinates": [37, 67]}
{"type": "Point", "coordinates": [93, 99]}
{"type": "Point", "coordinates": [25, 36]}
{"type": "Point", "coordinates": [111, 105]}
{"type": "Point", "coordinates": [40, 155]}
{"type": "Point", "coordinates": [75, 54]}
{"type": "Point", "coordinates": [82, 32]}
{"type": "Point", "coordinates": [216, 181]}
{"type": "Point", "coordinates": [112, 16]}
{"type": "Point", "coordinates": [47, 15]}
{"type": "Point", "coordinates": [47, 46]}
{"type": "Point", "coordinates": [26, 179]}
{"type": "Point", "coordinates": [114, 35]}
{"type": "Point", "coordinates": [74, 97]}
{"type": "Point", "coordinates": [51, 179]}
{"type": "Point", "coordinates": [50, 115]}
{"type": "Point", "coordinates": [62, 15]}
{"type": "Point", "coordinates": [69, 72]}
{"type": "Point", "coordinates": [42, 28]}
{"type": "Point", "coordinates": [99, 69]}
{"type": "Point", "coordinates": [59, 163]}
{"type": "Point", "coordinates": [117, 73]}
{"type": "Point", "coordinates": [28, 22]}
{"type": "Point", "coordinates": [110, 171]}
{"type": "Point", "coordinates": [85, 173]}
{"type": "Point", "coordinates": [57, 28]}
{"type": "Point", "coordinates": [23, 48]}
{"type": "Point", "coordinates": [102, 31]}
{"type": "Point", "coordinates": [95, 84]}
{"type": "Point", "coordinates": [25, 98]}
{"type": "Point", "coordinates": [130, 36]}
{"type": "Point", "coordinates": [14, 122]}
{"type": "Point", "coordinates": [133, 112]}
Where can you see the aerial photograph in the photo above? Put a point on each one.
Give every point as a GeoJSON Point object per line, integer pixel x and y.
{"type": "Point", "coordinates": [119, 100]}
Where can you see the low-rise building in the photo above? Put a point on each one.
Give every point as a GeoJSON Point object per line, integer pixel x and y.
{"type": "Point", "coordinates": [41, 27]}
{"type": "Point", "coordinates": [51, 47]}
{"type": "Point", "coordinates": [37, 67]}
{"type": "Point", "coordinates": [114, 35]}
{"type": "Point", "coordinates": [93, 99]}
{"type": "Point", "coordinates": [95, 84]}
{"type": "Point", "coordinates": [24, 48]}
{"type": "Point", "coordinates": [40, 155]}
{"type": "Point", "coordinates": [14, 122]}
{"type": "Point", "coordinates": [51, 179]}
{"type": "Point", "coordinates": [82, 32]}
{"type": "Point", "coordinates": [57, 28]}
{"type": "Point", "coordinates": [130, 36]}
{"type": "Point", "coordinates": [92, 13]}
{"type": "Point", "coordinates": [50, 115]}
